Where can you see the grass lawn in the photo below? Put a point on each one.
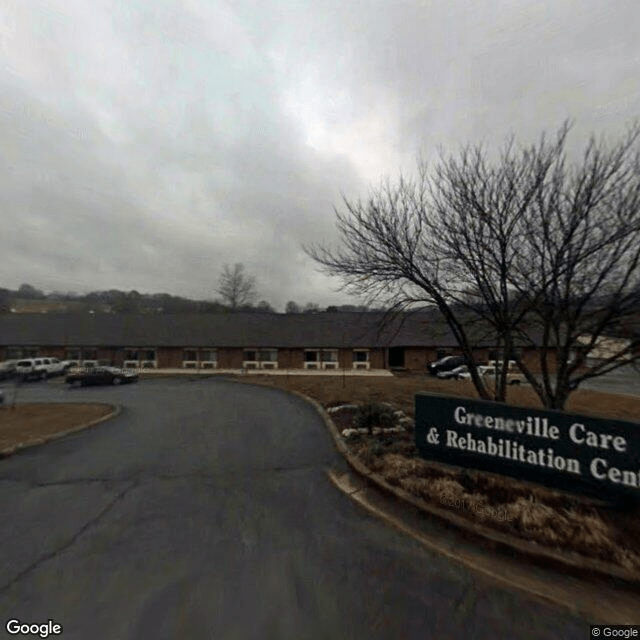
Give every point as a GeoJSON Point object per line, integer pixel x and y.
{"type": "Point", "coordinates": [551, 518]}
{"type": "Point", "coordinates": [400, 391]}
{"type": "Point", "coordinates": [27, 423]}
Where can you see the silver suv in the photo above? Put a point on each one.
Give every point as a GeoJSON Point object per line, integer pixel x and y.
{"type": "Point", "coordinates": [32, 369]}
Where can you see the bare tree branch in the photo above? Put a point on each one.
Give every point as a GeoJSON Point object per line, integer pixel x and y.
{"type": "Point", "coordinates": [236, 287]}
{"type": "Point", "coordinates": [539, 251]}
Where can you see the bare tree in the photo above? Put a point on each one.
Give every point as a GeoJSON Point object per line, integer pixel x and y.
{"type": "Point", "coordinates": [292, 307]}
{"type": "Point", "coordinates": [482, 214]}
{"type": "Point", "coordinates": [390, 254]}
{"type": "Point", "coordinates": [582, 267]}
{"type": "Point", "coordinates": [522, 251]}
{"type": "Point", "coordinates": [236, 287]}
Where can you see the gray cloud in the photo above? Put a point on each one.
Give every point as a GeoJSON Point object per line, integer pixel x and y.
{"type": "Point", "coordinates": [147, 143]}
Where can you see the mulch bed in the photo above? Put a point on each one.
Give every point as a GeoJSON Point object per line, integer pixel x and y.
{"type": "Point", "coordinates": [556, 520]}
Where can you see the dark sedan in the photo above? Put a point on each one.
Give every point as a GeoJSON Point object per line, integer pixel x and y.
{"type": "Point", "coordinates": [99, 375]}
{"type": "Point", "coordinates": [445, 364]}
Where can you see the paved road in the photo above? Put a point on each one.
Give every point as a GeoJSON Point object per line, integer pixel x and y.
{"type": "Point", "coordinates": [204, 511]}
{"type": "Point", "coordinates": [623, 380]}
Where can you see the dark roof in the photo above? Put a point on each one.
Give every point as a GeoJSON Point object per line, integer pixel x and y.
{"type": "Point", "coordinates": [225, 330]}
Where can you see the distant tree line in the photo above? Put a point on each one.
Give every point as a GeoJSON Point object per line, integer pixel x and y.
{"type": "Point", "coordinates": [236, 289]}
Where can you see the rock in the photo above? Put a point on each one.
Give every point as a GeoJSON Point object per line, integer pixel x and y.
{"type": "Point", "coordinates": [341, 407]}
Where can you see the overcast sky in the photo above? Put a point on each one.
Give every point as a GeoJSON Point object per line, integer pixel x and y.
{"type": "Point", "coordinates": [145, 143]}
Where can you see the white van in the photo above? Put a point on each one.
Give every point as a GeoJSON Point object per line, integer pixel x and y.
{"type": "Point", "coordinates": [32, 369]}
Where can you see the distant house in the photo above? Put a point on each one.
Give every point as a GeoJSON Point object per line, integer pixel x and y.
{"type": "Point", "coordinates": [606, 347]}
{"type": "Point", "coordinates": [322, 341]}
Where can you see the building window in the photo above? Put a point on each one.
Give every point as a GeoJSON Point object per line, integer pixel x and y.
{"type": "Point", "coordinates": [329, 358]}
{"type": "Point", "coordinates": [361, 358]}
{"type": "Point", "coordinates": [190, 359]}
{"type": "Point", "coordinates": [321, 359]}
{"type": "Point", "coordinates": [143, 358]}
{"type": "Point", "coordinates": [250, 359]}
{"type": "Point", "coordinates": [30, 352]}
{"type": "Point", "coordinates": [268, 358]}
{"type": "Point", "coordinates": [14, 353]}
{"type": "Point", "coordinates": [208, 358]}
{"type": "Point", "coordinates": [329, 355]}
{"type": "Point", "coordinates": [131, 358]}
{"type": "Point", "coordinates": [149, 360]}
{"type": "Point", "coordinates": [260, 359]}
{"type": "Point", "coordinates": [89, 357]}
{"type": "Point", "coordinates": [312, 359]}
{"type": "Point", "coordinates": [268, 355]}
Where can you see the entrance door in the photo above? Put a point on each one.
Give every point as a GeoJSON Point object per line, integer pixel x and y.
{"type": "Point", "coordinates": [396, 357]}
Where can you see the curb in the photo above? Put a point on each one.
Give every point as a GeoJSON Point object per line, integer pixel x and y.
{"type": "Point", "coordinates": [578, 565]}
{"type": "Point", "coordinates": [7, 451]}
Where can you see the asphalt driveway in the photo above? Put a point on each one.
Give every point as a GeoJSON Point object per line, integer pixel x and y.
{"type": "Point", "coordinates": [204, 511]}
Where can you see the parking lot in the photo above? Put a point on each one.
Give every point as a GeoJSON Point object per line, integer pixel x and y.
{"type": "Point", "coordinates": [207, 499]}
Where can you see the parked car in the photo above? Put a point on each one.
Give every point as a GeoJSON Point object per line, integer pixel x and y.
{"type": "Point", "coordinates": [82, 376]}
{"type": "Point", "coordinates": [53, 366]}
{"type": "Point", "coordinates": [514, 376]}
{"type": "Point", "coordinates": [67, 364]}
{"type": "Point", "coordinates": [455, 374]}
{"type": "Point", "coordinates": [32, 369]}
{"type": "Point", "coordinates": [7, 369]}
{"type": "Point", "coordinates": [445, 364]}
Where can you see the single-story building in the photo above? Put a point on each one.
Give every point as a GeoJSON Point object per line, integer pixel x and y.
{"type": "Point", "coordinates": [238, 340]}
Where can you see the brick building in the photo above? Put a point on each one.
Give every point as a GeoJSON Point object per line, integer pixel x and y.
{"type": "Point", "coordinates": [237, 340]}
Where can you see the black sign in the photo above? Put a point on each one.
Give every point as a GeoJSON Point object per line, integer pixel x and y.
{"type": "Point", "coordinates": [570, 452]}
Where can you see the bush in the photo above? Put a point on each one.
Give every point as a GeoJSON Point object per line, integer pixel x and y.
{"type": "Point", "coordinates": [374, 414]}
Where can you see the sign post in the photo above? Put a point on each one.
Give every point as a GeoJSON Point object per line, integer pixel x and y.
{"type": "Point", "coordinates": [576, 453]}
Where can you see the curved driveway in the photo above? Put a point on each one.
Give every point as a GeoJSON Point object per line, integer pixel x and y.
{"type": "Point", "coordinates": [204, 511]}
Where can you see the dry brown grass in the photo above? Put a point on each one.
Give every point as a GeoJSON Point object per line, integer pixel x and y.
{"type": "Point", "coordinates": [554, 519]}
{"type": "Point", "coordinates": [27, 423]}
{"type": "Point", "coordinates": [542, 515]}
{"type": "Point", "coordinates": [400, 390]}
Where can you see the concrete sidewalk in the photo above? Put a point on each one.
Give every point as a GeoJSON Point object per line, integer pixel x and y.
{"type": "Point", "coordinates": [269, 372]}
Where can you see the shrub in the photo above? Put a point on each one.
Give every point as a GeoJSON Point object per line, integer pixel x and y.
{"type": "Point", "coordinates": [374, 414]}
